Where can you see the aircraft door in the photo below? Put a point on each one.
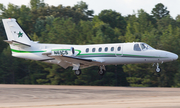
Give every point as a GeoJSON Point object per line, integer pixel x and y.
{"type": "Point", "coordinates": [119, 50]}
{"type": "Point", "coordinates": [72, 50]}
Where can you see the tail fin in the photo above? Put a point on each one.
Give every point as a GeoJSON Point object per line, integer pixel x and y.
{"type": "Point", "coordinates": [15, 34]}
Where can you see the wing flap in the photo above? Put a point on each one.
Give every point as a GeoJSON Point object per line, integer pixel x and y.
{"type": "Point", "coordinates": [75, 60]}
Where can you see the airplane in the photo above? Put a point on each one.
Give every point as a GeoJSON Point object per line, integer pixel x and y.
{"type": "Point", "coordinates": [82, 56]}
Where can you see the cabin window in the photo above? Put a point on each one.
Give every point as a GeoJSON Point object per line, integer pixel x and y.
{"type": "Point", "coordinates": [112, 48]}
{"type": "Point", "coordinates": [93, 50]}
{"type": "Point", "coordinates": [106, 49]}
{"type": "Point", "coordinates": [100, 49]}
{"type": "Point", "coordinates": [136, 47]}
{"type": "Point", "coordinates": [87, 50]}
{"type": "Point", "coordinates": [119, 48]}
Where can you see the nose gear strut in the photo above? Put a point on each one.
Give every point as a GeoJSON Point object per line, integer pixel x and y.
{"type": "Point", "coordinates": [158, 69]}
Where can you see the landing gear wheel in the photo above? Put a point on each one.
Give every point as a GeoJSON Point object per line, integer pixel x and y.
{"type": "Point", "coordinates": [101, 72]}
{"type": "Point", "coordinates": [77, 72]}
{"type": "Point", "coordinates": [158, 69]}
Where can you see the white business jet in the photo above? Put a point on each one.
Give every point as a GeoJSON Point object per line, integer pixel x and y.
{"type": "Point", "coordinates": [82, 56]}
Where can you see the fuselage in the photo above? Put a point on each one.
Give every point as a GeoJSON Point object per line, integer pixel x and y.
{"type": "Point", "coordinates": [117, 53]}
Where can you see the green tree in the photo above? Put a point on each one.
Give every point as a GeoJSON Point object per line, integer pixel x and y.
{"type": "Point", "coordinates": [160, 11]}
{"type": "Point", "coordinates": [12, 11]}
{"type": "Point", "coordinates": [9, 67]}
{"type": "Point", "coordinates": [24, 19]}
{"type": "Point", "coordinates": [85, 32]}
{"type": "Point", "coordinates": [36, 4]}
{"type": "Point", "coordinates": [163, 24]}
{"type": "Point", "coordinates": [61, 31]}
{"type": "Point", "coordinates": [2, 36]}
{"type": "Point", "coordinates": [103, 32]}
{"type": "Point", "coordinates": [146, 21]}
{"type": "Point", "coordinates": [113, 18]}
{"type": "Point", "coordinates": [83, 8]}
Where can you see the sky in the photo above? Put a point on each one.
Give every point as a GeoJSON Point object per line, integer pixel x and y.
{"type": "Point", "coordinates": [124, 7]}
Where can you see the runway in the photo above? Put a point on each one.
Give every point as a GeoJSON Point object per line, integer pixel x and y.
{"type": "Point", "coordinates": [57, 96]}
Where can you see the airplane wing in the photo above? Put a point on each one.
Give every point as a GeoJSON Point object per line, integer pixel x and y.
{"type": "Point", "coordinates": [69, 60]}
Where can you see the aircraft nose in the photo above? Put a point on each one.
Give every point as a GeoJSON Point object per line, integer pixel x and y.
{"type": "Point", "coordinates": [173, 56]}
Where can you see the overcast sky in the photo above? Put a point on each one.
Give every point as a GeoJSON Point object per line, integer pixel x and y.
{"type": "Point", "coordinates": [124, 7]}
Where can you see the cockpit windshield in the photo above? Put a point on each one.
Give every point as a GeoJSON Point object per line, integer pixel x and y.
{"type": "Point", "coordinates": [142, 46]}
{"type": "Point", "coordinates": [145, 46]}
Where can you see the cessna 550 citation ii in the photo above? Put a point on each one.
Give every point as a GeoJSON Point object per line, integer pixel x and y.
{"type": "Point", "coordinates": [82, 56]}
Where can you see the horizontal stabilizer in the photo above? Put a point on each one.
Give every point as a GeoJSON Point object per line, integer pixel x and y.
{"type": "Point", "coordinates": [17, 43]}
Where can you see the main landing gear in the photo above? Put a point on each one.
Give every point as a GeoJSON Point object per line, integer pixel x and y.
{"type": "Point", "coordinates": [102, 70]}
{"type": "Point", "coordinates": [76, 68]}
{"type": "Point", "coordinates": [158, 69]}
{"type": "Point", "coordinates": [77, 72]}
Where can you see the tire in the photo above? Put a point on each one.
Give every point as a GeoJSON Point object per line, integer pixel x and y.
{"type": "Point", "coordinates": [77, 72]}
{"type": "Point", "coordinates": [101, 72]}
{"type": "Point", "coordinates": [158, 70]}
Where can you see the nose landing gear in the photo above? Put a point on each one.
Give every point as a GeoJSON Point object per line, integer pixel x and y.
{"type": "Point", "coordinates": [158, 69]}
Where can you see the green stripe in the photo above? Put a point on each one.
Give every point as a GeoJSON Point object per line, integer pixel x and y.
{"type": "Point", "coordinates": [129, 55]}
{"type": "Point", "coordinates": [18, 51]}
{"type": "Point", "coordinates": [123, 55]}
{"type": "Point", "coordinates": [60, 49]}
{"type": "Point", "coordinates": [78, 51]}
{"type": "Point", "coordinates": [98, 54]}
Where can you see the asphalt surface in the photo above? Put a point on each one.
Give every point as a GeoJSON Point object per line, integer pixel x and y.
{"type": "Point", "coordinates": [51, 96]}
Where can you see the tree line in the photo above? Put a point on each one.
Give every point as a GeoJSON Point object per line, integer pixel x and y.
{"type": "Point", "coordinates": [78, 25]}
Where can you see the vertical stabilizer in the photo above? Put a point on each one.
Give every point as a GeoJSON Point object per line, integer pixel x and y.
{"type": "Point", "coordinates": [14, 32]}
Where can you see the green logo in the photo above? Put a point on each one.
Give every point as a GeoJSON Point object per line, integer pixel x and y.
{"type": "Point", "coordinates": [20, 34]}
